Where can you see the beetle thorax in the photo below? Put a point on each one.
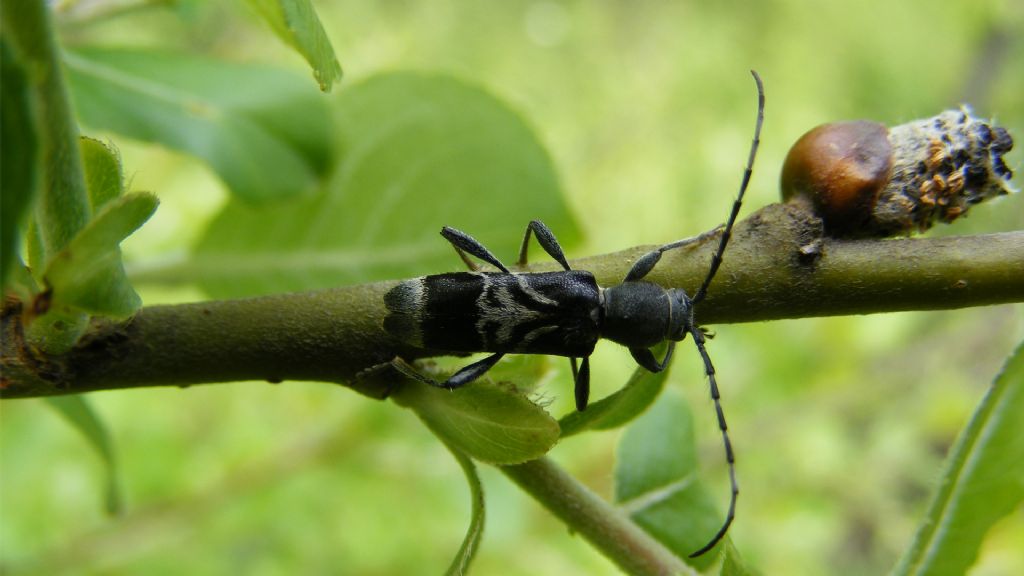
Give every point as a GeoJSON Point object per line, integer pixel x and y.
{"type": "Point", "coordinates": [641, 314]}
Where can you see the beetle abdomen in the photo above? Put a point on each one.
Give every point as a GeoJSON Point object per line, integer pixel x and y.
{"type": "Point", "coordinates": [547, 313]}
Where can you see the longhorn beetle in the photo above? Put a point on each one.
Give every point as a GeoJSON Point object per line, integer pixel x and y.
{"type": "Point", "coordinates": [559, 313]}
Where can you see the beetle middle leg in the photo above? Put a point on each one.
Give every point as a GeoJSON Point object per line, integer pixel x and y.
{"type": "Point", "coordinates": [581, 378]}
{"type": "Point", "coordinates": [546, 239]}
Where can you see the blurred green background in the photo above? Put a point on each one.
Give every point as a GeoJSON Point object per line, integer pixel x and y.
{"type": "Point", "coordinates": [646, 108]}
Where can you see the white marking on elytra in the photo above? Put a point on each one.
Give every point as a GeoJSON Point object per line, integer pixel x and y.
{"type": "Point", "coordinates": [509, 312]}
{"type": "Point", "coordinates": [417, 288]}
{"type": "Point", "coordinates": [534, 334]}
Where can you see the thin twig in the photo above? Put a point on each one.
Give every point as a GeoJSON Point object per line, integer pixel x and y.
{"type": "Point", "coordinates": [777, 266]}
{"type": "Point", "coordinates": [609, 529]}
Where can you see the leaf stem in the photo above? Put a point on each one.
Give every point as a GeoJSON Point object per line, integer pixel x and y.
{"type": "Point", "coordinates": [62, 208]}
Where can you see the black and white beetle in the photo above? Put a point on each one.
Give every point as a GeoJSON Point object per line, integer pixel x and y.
{"type": "Point", "coordinates": [558, 313]}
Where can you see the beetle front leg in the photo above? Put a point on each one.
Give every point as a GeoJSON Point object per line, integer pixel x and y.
{"type": "Point", "coordinates": [646, 263]}
{"type": "Point", "coordinates": [646, 359]}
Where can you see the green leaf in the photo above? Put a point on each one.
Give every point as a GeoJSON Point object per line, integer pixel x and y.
{"type": "Point", "coordinates": [419, 152]}
{"type": "Point", "coordinates": [19, 157]}
{"type": "Point", "coordinates": [475, 532]}
{"type": "Point", "coordinates": [77, 410]}
{"type": "Point", "coordinates": [525, 372]}
{"type": "Point", "coordinates": [296, 22]}
{"type": "Point", "coordinates": [263, 132]}
{"type": "Point", "coordinates": [87, 275]}
{"type": "Point", "coordinates": [487, 421]}
{"type": "Point", "coordinates": [103, 178]}
{"type": "Point", "coordinates": [983, 481]}
{"type": "Point", "coordinates": [656, 480]}
{"type": "Point", "coordinates": [619, 408]}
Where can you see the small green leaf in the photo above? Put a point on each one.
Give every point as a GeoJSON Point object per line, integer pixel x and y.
{"type": "Point", "coordinates": [419, 152]}
{"type": "Point", "coordinates": [475, 532]}
{"type": "Point", "coordinates": [487, 421]}
{"type": "Point", "coordinates": [264, 133]}
{"type": "Point", "coordinates": [983, 481]}
{"type": "Point", "coordinates": [656, 480]}
{"type": "Point", "coordinates": [19, 157]}
{"type": "Point", "coordinates": [296, 22]}
{"type": "Point", "coordinates": [87, 275]}
{"type": "Point", "coordinates": [103, 178]}
{"type": "Point", "coordinates": [619, 408]}
{"type": "Point", "coordinates": [77, 410]}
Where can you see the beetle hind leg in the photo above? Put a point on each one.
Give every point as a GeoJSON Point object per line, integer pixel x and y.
{"type": "Point", "coordinates": [464, 376]}
{"type": "Point", "coordinates": [464, 243]}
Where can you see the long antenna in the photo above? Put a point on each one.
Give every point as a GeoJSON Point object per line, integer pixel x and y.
{"type": "Point", "coordinates": [716, 260]}
{"type": "Point", "coordinates": [698, 335]}
{"type": "Point", "coordinates": [709, 369]}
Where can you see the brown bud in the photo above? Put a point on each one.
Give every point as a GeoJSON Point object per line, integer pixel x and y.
{"type": "Point", "coordinates": [865, 180]}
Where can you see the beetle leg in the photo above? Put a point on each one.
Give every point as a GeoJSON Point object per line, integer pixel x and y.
{"type": "Point", "coordinates": [645, 358]}
{"type": "Point", "coordinates": [461, 378]}
{"type": "Point", "coordinates": [464, 242]}
{"type": "Point", "coordinates": [473, 266]}
{"type": "Point", "coordinates": [646, 263]}
{"type": "Point", "coordinates": [473, 371]}
{"type": "Point", "coordinates": [409, 371]}
{"type": "Point", "coordinates": [582, 379]}
{"type": "Point", "coordinates": [546, 239]}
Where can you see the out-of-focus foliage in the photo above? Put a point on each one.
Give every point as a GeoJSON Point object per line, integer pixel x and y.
{"type": "Point", "coordinates": [840, 424]}
{"type": "Point", "coordinates": [656, 482]}
{"type": "Point", "coordinates": [296, 23]}
{"type": "Point", "coordinates": [416, 152]}
{"type": "Point", "coordinates": [262, 129]}
{"type": "Point", "coordinates": [983, 481]}
{"type": "Point", "coordinates": [79, 413]}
